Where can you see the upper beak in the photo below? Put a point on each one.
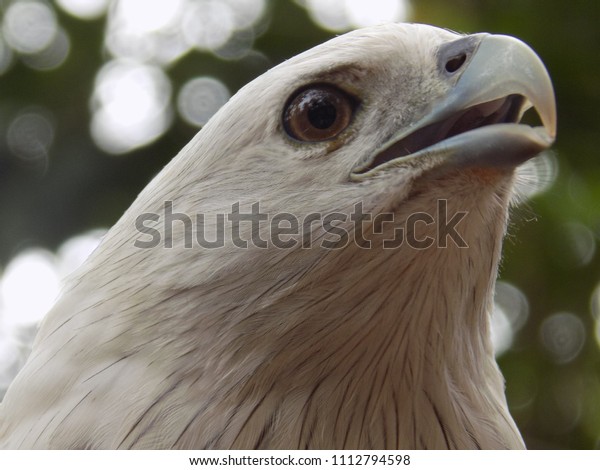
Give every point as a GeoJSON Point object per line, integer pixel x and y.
{"type": "Point", "coordinates": [497, 78]}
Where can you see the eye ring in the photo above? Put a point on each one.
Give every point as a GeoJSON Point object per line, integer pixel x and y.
{"type": "Point", "coordinates": [318, 113]}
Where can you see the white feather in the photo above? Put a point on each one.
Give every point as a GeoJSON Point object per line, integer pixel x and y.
{"type": "Point", "coordinates": [273, 348]}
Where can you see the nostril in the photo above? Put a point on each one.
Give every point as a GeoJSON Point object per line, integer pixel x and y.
{"type": "Point", "coordinates": [454, 56]}
{"type": "Point", "coordinates": [455, 63]}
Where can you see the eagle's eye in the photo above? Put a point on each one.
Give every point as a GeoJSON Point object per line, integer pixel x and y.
{"type": "Point", "coordinates": [317, 113]}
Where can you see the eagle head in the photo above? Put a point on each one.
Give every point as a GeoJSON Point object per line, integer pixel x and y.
{"type": "Point", "coordinates": [315, 269]}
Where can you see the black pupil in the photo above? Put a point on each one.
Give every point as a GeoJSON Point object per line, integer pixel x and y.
{"type": "Point", "coordinates": [321, 113]}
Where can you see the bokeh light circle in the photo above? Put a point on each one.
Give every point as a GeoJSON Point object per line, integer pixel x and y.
{"type": "Point", "coordinates": [200, 98]}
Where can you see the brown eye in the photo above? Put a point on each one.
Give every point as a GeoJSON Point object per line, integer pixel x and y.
{"type": "Point", "coordinates": [318, 113]}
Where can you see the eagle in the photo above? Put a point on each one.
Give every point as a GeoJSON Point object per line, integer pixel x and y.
{"type": "Point", "coordinates": [315, 268]}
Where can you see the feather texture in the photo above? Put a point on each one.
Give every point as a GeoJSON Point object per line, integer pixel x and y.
{"type": "Point", "coordinates": [286, 348]}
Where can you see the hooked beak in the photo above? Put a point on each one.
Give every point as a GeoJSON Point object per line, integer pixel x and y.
{"type": "Point", "coordinates": [477, 124]}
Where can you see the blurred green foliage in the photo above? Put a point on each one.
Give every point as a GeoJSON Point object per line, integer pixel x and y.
{"type": "Point", "coordinates": [555, 405]}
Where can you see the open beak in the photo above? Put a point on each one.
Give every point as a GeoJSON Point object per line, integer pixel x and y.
{"type": "Point", "coordinates": [478, 122]}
